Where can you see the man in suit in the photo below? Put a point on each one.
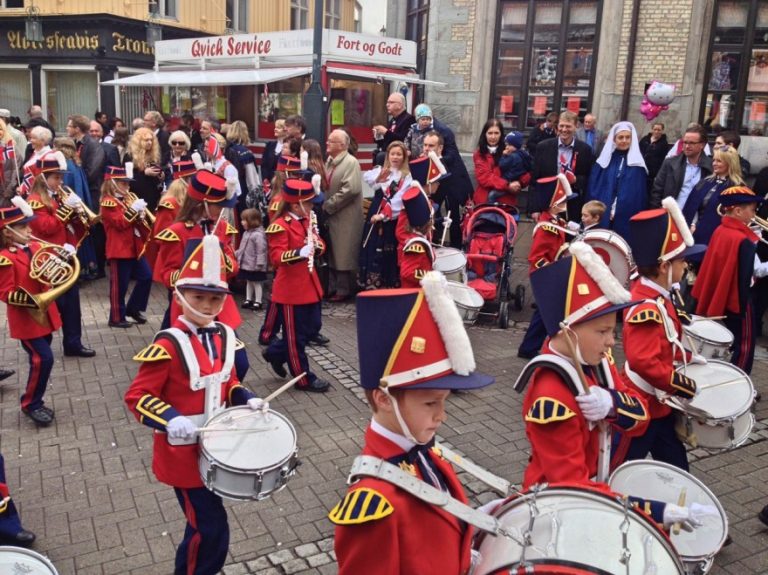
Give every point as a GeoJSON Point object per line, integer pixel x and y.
{"type": "Point", "coordinates": [680, 174]}
{"type": "Point", "coordinates": [589, 133]}
{"type": "Point", "coordinates": [399, 124]}
{"type": "Point", "coordinates": [111, 156]}
{"type": "Point", "coordinates": [562, 155]}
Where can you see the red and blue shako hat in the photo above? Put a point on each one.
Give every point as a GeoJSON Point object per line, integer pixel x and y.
{"type": "Point", "coordinates": [205, 268]}
{"type": "Point", "coordinates": [208, 187]}
{"type": "Point", "coordinates": [297, 190]}
{"type": "Point", "coordinates": [428, 169]}
{"type": "Point", "coordinates": [51, 162]}
{"type": "Point", "coordinates": [414, 339]}
{"type": "Point", "coordinates": [417, 205]}
{"type": "Point", "coordinates": [738, 195]}
{"type": "Point", "coordinates": [576, 289]}
{"type": "Point", "coordinates": [19, 213]}
{"type": "Point", "coordinates": [661, 235]}
{"type": "Point", "coordinates": [183, 169]}
{"type": "Point", "coordinates": [119, 172]}
{"type": "Point", "coordinates": [288, 164]}
{"type": "Point", "coordinates": [556, 189]}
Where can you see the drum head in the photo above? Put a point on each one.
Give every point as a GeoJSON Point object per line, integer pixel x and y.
{"type": "Point", "coordinates": [709, 331]}
{"type": "Point", "coordinates": [614, 250]}
{"type": "Point", "coordinates": [19, 560]}
{"type": "Point", "coordinates": [664, 482]}
{"type": "Point", "coordinates": [449, 260]}
{"type": "Point", "coordinates": [249, 442]}
{"type": "Point", "coordinates": [465, 295]}
{"type": "Point", "coordinates": [578, 528]}
{"type": "Point", "coordinates": [723, 389]}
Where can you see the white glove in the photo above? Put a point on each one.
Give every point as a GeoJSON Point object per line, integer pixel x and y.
{"type": "Point", "coordinates": [73, 201]}
{"type": "Point", "coordinates": [573, 226]}
{"type": "Point", "coordinates": [71, 250]}
{"type": "Point", "coordinates": [597, 405]}
{"type": "Point", "coordinates": [698, 359]}
{"type": "Point", "coordinates": [305, 251]}
{"type": "Point", "coordinates": [258, 404]}
{"type": "Point", "coordinates": [181, 427]}
{"type": "Point", "coordinates": [688, 517]}
{"type": "Point", "coordinates": [761, 268]}
{"type": "Point", "coordinates": [139, 205]}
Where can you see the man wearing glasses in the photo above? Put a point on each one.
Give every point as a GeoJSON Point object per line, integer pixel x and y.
{"type": "Point", "coordinates": [679, 174]}
{"type": "Point", "coordinates": [400, 121]}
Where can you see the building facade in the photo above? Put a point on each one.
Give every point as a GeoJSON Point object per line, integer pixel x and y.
{"type": "Point", "coordinates": [518, 59]}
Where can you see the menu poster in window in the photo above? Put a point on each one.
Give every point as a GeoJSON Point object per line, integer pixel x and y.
{"type": "Point", "coordinates": [357, 107]}
{"type": "Point", "coordinates": [757, 111]}
{"type": "Point", "coordinates": [540, 105]}
{"type": "Point", "coordinates": [758, 71]}
{"type": "Point", "coordinates": [337, 112]}
{"type": "Point", "coordinates": [573, 104]}
{"type": "Point", "coordinates": [507, 103]}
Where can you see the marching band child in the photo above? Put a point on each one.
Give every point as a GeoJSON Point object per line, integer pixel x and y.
{"type": "Point", "coordinates": [660, 242]}
{"type": "Point", "coordinates": [127, 231]}
{"type": "Point", "coordinates": [591, 214]}
{"type": "Point", "coordinates": [26, 322]}
{"type": "Point", "coordinates": [296, 291]}
{"type": "Point", "coordinates": [409, 364]}
{"type": "Point", "coordinates": [11, 531]}
{"type": "Point", "coordinates": [549, 235]}
{"type": "Point", "coordinates": [722, 286]}
{"type": "Point", "coordinates": [416, 254]}
{"type": "Point", "coordinates": [252, 257]}
{"type": "Point", "coordinates": [165, 398]}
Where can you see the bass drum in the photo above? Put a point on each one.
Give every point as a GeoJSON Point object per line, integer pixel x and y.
{"type": "Point", "coordinates": [664, 482]}
{"type": "Point", "coordinates": [17, 560]}
{"type": "Point", "coordinates": [614, 250]}
{"type": "Point", "coordinates": [574, 530]}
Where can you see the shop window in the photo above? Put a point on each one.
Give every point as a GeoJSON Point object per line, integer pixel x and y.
{"type": "Point", "coordinates": [68, 93]}
{"type": "Point", "coordinates": [16, 92]}
{"type": "Point", "coordinates": [546, 51]}
{"type": "Point", "coordinates": [737, 70]}
{"type": "Point", "coordinates": [11, 3]}
{"type": "Point", "coordinates": [237, 15]}
{"type": "Point", "coordinates": [333, 14]}
{"type": "Point", "coordinates": [299, 14]}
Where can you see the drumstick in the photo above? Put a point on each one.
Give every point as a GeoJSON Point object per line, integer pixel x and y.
{"type": "Point", "coordinates": [681, 503]}
{"type": "Point", "coordinates": [712, 317]}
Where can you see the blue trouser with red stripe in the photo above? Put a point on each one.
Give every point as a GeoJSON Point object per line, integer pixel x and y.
{"type": "Point", "coordinates": [534, 336]}
{"type": "Point", "coordinates": [203, 551]}
{"type": "Point", "coordinates": [121, 272]}
{"type": "Point", "coordinates": [71, 319]}
{"type": "Point", "coordinates": [742, 326]}
{"type": "Point", "coordinates": [10, 523]}
{"type": "Point", "coordinates": [661, 441]}
{"type": "Point", "coordinates": [40, 365]}
{"type": "Point", "coordinates": [300, 322]}
{"type": "Point", "coordinates": [271, 326]}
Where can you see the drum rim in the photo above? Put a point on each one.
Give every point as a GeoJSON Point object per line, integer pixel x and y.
{"type": "Point", "coordinates": [742, 409]}
{"type": "Point", "coordinates": [452, 284]}
{"type": "Point", "coordinates": [688, 330]}
{"type": "Point", "coordinates": [246, 470]}
{"type": "Point", "coordinates": [696, 481]}
{"type": "Point", "coordinates": [31, 553]}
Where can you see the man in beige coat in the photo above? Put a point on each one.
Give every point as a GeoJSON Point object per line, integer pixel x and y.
{"type": "Point", "coordinates": [344, 208]}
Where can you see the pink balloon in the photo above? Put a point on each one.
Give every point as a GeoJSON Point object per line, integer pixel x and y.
{"type": "Point", "coordinates": [649, 110]}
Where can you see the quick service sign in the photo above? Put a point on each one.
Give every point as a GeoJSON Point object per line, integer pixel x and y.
{"type": "Point", "coordinates": [292, 45]}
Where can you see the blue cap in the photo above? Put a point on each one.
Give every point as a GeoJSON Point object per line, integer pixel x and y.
{"type": "Point", "coordinates": [514, 139]}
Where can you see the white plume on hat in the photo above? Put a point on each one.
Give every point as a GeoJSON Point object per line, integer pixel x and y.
{"type": "Point", "coordinates": [59, 156]}
{"type": "Point", "coordinates": [304, 158]}
{"type": "Point", "coordinates": [670, 204]}
{"type": "Point", "coordinates": [211, 260]}
{"type": "Point", "coordinates": [198, 161]}
{"type": "Point", "coordinates": [22, 204]}
{"type": "Point", "coordinates": [317, 181]}
{"type": "Point", "coordinates": [597, 269]}
{"type": "Point", "coordinates": [566, 186]}
{"type": "Point", "coordinates": [449, 323]}
{"type": "Point", "coordinates": [231, 186]}
{"type": "Point", "coordinates": [129, 170]}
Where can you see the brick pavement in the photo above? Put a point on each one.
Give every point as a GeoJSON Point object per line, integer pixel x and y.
{"type": "Point", "coordinates": [84, 485]}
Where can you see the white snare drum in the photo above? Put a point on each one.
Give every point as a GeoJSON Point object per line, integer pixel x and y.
{"type": "Point", "coordinates": [468, 301]}
{"type": "Point", "coordinates": [247, 457]}
{"type": "Point", "coordinates": [719, 416]}
{"type": "Point", "coordinates": [17, 560]}
{"type": "Point", "coordinates": [709, 338]}
{"type": "Point", "coordinates": [578, 530]}
{"type": "Point", "coordinates": [452, 263]}
{"type": "Point", "coordinates": [614, 250]}
{"type": "Point", "coordinates": [664, 482]}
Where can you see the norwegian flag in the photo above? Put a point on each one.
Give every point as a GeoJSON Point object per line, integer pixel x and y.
{"type": "Point", "coordinates": [212, 148]}
{"type": "Point", "coordinates": [9, 151]}
{"type": "Point", "coordinates": [27, 181]}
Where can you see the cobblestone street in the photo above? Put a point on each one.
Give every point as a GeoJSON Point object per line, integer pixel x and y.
{"type": "Point", "coordinates": [85, 486]}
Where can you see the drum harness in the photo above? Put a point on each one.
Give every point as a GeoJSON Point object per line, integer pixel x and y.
{"type": "Point", "coordinates": [211, 383]}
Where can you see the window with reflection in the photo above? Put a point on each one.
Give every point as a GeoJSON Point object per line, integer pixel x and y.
{"type": "Point", "coordinates": [417, 20]}
{"type": "Point", "coordinates": [546, 51]}
{"type": "Point", "coordinates": [737, 68]}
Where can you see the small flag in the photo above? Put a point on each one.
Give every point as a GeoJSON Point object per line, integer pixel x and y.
{"type": "Point", "coordinates": [9, 151]}
{"type": "Point", "coordinates": [27, 181]}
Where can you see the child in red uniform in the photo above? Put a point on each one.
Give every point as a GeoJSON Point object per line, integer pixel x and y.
{"type": "Point", "coordinates": [127, 231]}
{"type": "Point", "coordinates": [660, 242]}
{"type": "Point", "coordinates": [164, 398]}
{"type": "Point", "coordinates": [409, 364]}
{"type": "Point", "coordinates": [11, 531]}
{"type": "Point", "coordinates": [415, 248]}
{"type": "Point", "coordinates": [722, 286]}
{"type": "Point", "coordinates": [548, 237]}
{"type": "Point", "coordinates": [18, 291]}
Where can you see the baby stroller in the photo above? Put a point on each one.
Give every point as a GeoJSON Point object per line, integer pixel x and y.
{"type": "Point", "coordinates": [490, 231]}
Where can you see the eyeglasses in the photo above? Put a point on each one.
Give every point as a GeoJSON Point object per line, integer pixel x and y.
{"type": "Point", "coordinates": [178, 143]}
{"type": "Point", "coordinates": [692, 143]}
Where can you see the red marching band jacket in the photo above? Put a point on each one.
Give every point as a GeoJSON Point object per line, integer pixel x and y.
{"type": "Point", "coordinates": [548, 238]}
{"type": "Point", "coordinates": [172, 243]}
{"type": "Point", "coordinates": [57, 224]}
{"type": "Point", "coordinates": [167, 210]}
{"type": "Point", "coordinates": [126, 232]}
{"type": "Point", "coordinates": [416, 258]}
{"type": "Point", "coordinates": [16, 289]}
{"type": "Point", "coordinates": [294, 284]}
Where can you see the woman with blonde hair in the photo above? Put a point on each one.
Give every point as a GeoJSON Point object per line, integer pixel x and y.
{"type": "Point", "coordinates": [8, 168]}
{"type": "Point", "coordinates": [148, 175]}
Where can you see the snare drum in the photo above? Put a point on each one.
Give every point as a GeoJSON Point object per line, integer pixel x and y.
{"type": "Point", "coordinates": [574, 530]}
{"type": "Point", "coordinates": [247, 457]}
{"type": "Point", "coordinates": [452, 263]}
{"type": "Point", "coordinates": [613, 249]}
{"type": "Point", "coordinates": [15, 560]}
{"type": "Point", "coordinates": [468, 301]}
{"type": "Point", "coordinates": [665, 482]}
{"type": "Point", "coordinates": [709, 338]}
{"type": "Point", "coordinates": [719, 417]}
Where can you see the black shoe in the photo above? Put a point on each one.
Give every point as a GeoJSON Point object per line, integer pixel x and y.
{"type": "Point", "coordinates": [48, 410]}
{"type": "Point", "coordinates": [266, 343]}
{"type": "Point", "coordinates": [138, 317]}
{"type": "Point", "coordinates": [82, 351]}
{"type": "Point", "coordinates": [6, 373]}
{"type": "Point", "coordinates": [256, 306]}
{"type": "Point", "coordinates": [246, 304]}
{"type": "Point", "coordinates": [123, 324]}
{"type": "Point", "coordinates": [317, 386]}
{"type": "Point", "coordinates": [526, 354]}
{"type": "Point", "coordinates": [277, 368]}
{"type": "Point", "coordinates": [763, 515]}
{"type": "Point", "coordinates": [23, 538]}
{"type": "Point", "coordinates": [319, 339]}
{"type": "Point", "coordinates": [39, 416]}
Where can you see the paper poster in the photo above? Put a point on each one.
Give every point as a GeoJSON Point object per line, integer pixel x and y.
{"type": "Point", "coordinates": [166, 103]}
{"type": "Point", "coordinates": [757, 111]}
{"type": "Point", "coordinates": [507, 103]}
{"type": "Point", "coordinates": [221, 108]}
{"type": "Point", "coordinates": [540, 105]}
{"type": "Point", "coordinates": [573, 104]}
{"type": "Point", "coordinates": [337, 112]}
